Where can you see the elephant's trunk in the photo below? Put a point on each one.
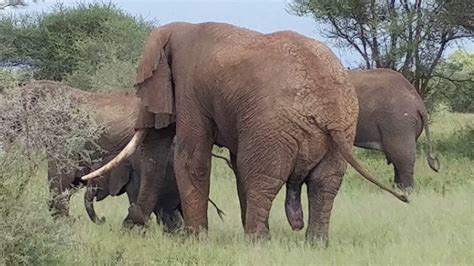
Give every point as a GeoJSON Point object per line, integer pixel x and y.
{"type": "Point", "coordinates": [121, 157]}
{"type": "Point", "coordinates": [89, 205]}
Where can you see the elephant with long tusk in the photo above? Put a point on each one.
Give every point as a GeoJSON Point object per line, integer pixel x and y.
{"type": "Point", "coordinates": [281, 103]}
{"type": "Point", "coordinates": [116, 112]}
{"type": "Point", "coordinates": [126, 179]}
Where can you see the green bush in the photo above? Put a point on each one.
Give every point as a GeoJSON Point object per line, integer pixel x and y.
{"type": "Point", "coordinates": [73, 43]}
{"type": "Point", "coordinates": [454, 84]}
{"type": "Point", "coordinates": [7, 80]}
{"type": "Point", "coordinates": [41, 117]}
{"type": "Point", "coordinates": [45, 117]}
{"type": "Point", "coordinates": [28, 234]}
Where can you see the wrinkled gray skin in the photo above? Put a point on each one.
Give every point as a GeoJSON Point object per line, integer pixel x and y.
{"type": "Point", "coordinates": [126, 179]}
{"type": "Point", "coordinates": [391, 118]}
{"type": "Point", "coordinates": [281, 103]}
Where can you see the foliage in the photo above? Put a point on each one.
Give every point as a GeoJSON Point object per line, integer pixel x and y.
{"type": "Point", "coordinates": [409, 36]}
{"type": "Point", "coordinates": [453, 83]}
{"type": "Point", "coordinates": [7, 80]}
{"type": "Point", "coordinates": [74, 43]}
{"type": "Point", "coordinates": [43, 117]}
{"type": "Point", "coordinates": [28, 234]}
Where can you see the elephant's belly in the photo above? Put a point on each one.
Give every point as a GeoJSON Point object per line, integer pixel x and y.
{"type": "Point", "coordinates": [368, 135]}
{"type": "Point", "coordinates": [372, 145]}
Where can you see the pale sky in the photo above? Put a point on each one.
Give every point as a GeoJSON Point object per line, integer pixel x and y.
{"type": "Point", "coordinates": [261, 15]}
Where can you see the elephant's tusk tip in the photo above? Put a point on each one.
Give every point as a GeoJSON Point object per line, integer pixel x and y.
{"type": "Point", "coordinates": [88, 177]}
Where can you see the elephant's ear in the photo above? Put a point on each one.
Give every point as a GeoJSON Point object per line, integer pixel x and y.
{"type": "Point", "coordinates": [119, 178]}
{"type": "Point", "coordinates": [154, 83]}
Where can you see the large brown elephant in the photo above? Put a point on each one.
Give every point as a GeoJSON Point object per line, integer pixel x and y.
{"type": "Point", "coordinates": [281, 103]}
{"type": "Point", "coordinates": [392, 116]}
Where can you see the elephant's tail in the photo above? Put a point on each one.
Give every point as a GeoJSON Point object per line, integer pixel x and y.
{"type": "Point", "coordinates": [432, 158]}
{"type": "Point", "coordinates": [345, 148]}
{"type": "Point", "coordinates": [219, 211]}
{"type": "Point", "coordinates": [227, 161]}
{"type": "Point", "coordinates": [121, 157]}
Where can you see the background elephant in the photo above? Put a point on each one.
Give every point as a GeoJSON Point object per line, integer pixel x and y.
{"type": "Point", "coordinates": [391, 118]}
{"type": "Point", "coordinates": [126, 179]}
{"type": "Point", "coordinates": [116, 111]}
{"type": "Point", "coordinates": [256, 95]}
{"type": "Point", "coordinates": [43, 115]}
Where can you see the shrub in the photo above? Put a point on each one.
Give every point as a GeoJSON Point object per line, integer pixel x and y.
{"type": "Point", "coordinates": [41, 117]}
{"type": "Point", "coordinates": [45, 117]}
{"type": "Point", "coordinates": [7, 80]}
{"type": "Point", "coordinates": [454, 84]}
{"type": "Point", "coordinates": [28, 234]}
{"type": "Point", "coordinates": [73, 43]}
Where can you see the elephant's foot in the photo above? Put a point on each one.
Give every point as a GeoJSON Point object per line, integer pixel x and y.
{"type": "Point", "coordinates": [260, 197]}
{"type": "Point", "coordinates": [135, 217]}
{"type": "Point", "coordinates": [317, 239]}
{"type": "Point", "coordinates": [259, 234]}
{"type": "Point", "coordinates": [172, 221]}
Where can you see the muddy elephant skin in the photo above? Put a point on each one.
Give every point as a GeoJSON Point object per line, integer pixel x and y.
{"type": "Point", "coordinates": [281, 103]}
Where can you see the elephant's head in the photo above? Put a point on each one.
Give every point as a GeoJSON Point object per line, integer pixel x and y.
{"type": "Point", "coordinates": [113, 184]}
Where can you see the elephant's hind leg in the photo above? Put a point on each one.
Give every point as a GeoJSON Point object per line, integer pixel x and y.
{"type": "Point", "coordinates": [323, 184]}
{"type": "Point", "coordinates": [264, 169]}
{"type": "Point", "coordinates": [401, 150]}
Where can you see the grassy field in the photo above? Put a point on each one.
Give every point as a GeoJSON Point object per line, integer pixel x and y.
{"type": "Point", "coordinates": [368, 227]}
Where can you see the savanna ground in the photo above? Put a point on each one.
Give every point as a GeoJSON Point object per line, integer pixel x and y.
{"type": "Point", "coordinates": [368, 227]}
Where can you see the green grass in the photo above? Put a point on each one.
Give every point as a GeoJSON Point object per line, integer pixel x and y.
{"type": "Point", "coordinates": [368, 227]}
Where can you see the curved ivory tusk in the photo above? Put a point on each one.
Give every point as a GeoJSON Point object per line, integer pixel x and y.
{"type": "Point", "coordinates": [122, 156]}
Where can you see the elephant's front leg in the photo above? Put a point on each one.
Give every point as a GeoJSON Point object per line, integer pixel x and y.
{"type": "Point", "coordinates": [323, 185]}
{"type": "Point", "coordinates": [192, 168]}
{"type": "Point", "coordinates": [154, 152]}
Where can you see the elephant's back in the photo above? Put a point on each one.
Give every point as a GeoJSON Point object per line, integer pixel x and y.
{"type": "Point", "coordinates": [387, 103]}
{"type": "Point", "coordinates": [117, 112]}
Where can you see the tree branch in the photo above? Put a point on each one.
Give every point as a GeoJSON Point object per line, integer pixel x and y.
{"type": "Point", "coordinates": [349, 40]}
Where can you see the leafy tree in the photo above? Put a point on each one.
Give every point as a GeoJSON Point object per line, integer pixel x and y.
{"type": "Point", "coordinates": [453, 82]}
{"type": "Point", "coordinates": [73, 43]}
{"type": "Point", "coordinates": [409, 36]}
